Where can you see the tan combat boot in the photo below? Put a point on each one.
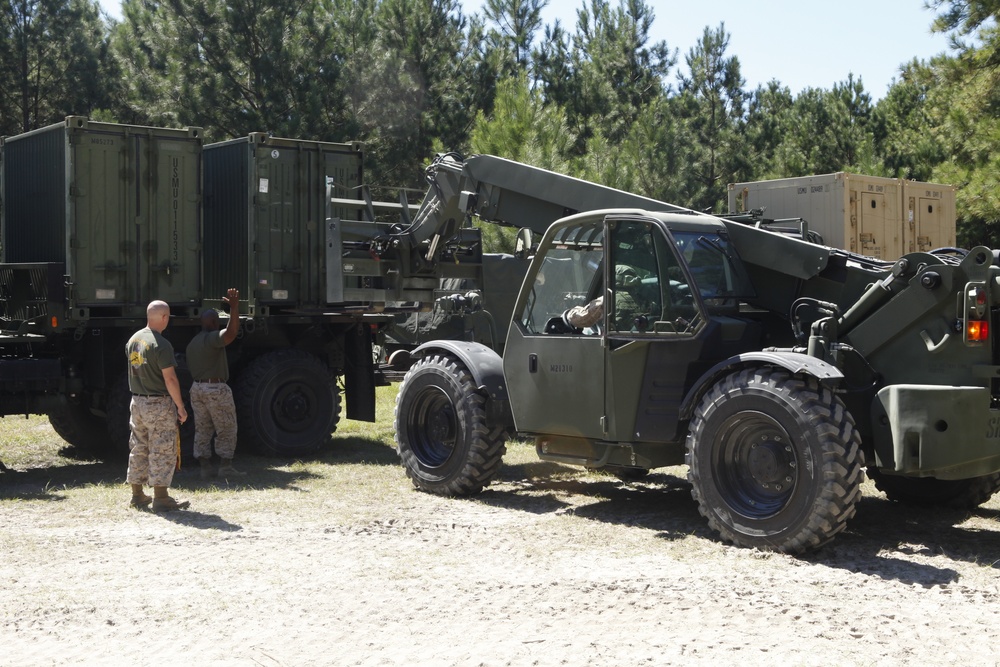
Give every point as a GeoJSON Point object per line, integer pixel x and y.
{"type": "Point", "coordinates": [162, 502]}
{"type": "Point", "coordinates": [139, 499]}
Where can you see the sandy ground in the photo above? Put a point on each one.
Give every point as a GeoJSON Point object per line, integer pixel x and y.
{"type": "Point", "coordinates": [343, 563]}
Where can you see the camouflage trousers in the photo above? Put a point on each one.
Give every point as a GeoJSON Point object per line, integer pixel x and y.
{"type": "Point", "coordinates": [153, 443]}
{"type": "Point", "coordinates": [214, 413]}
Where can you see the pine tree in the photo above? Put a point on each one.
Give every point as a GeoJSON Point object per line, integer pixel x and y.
{"type": "Point", "coordinates": [53, 60]}
{"type": "Point", "coordinates": [713, 104]}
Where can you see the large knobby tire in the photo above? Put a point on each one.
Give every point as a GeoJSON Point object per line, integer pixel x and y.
{"type": "Point", "coordinates": [287, 404]}
{"type": "Point", "coordinates": [442, 434]}
{"type": "Point", "coordinates": [932, 492]}
{"type": "Point", "coordinates": [77, 425]}
{"type": "Point", "coordinates": [774, 460]}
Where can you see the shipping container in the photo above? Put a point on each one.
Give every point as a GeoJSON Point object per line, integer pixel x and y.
{"type": "Point", "coordinates": [118, 205]}
{"type": "Point", "coordinates": [930, 215]}
{"type": "Point", "coordinates": [863, 214]}
{"type": "Point", "coordinates": [265, 217]}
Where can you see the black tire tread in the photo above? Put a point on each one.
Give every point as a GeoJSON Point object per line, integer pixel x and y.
{"type": "Point", "coordinates": [244, 394]}
{"type": "Point", "coordinates": [77, 426]}
{"type": "Point", "coordinates": [842, 465]}
{"type": "Point", "coordinates": [485, 456]}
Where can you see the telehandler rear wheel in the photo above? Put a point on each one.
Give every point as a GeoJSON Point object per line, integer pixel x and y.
{"type": "Point", "coordinates": [774, 460]}
{"type": "Point", "coordinates": [442, 435]}
{"type": "Point", "coordinates": [932, 492]}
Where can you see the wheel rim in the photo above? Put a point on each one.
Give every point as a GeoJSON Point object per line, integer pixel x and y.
{"type": "Point", "coordinates": [294, 407]}
{"type": "Point", "coordinates": [755, 464]}
{"type": "Point", "coordinates": [433, 427]}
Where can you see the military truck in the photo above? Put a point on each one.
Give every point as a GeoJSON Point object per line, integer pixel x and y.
{"type": "Point", "coordinates": [100, 218]}
{"type": "Point", "coordinates": [776, 369]}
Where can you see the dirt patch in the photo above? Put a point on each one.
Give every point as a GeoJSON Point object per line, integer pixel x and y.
{"type": "Point", "coordinates": [339, 561]}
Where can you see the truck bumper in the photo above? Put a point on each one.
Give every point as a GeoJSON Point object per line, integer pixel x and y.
{"type": "Point", "coordinates": [936, 431]}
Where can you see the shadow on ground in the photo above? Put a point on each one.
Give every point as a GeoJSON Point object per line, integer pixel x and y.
{"type": "Point", "coordinates": [77, 468]}
{"type": "Point", "coordinates": [874, 543]}
{"type": "Point", "coordinates": [47, 483]}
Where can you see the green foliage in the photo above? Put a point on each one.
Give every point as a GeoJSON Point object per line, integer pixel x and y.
{"type": "Point", "coordinates": [903, 126]}
{"type": "Point", "coordinates": [610, 71]}
{"type": "Point", "coordinates": [53, 62]}
{"type": "Point", "coordinates": [230, 67]}
{"type": "Point", "coordinates": [824, 131]}
{"type": "Point", "coordinates": [712, 101]}
{"type": "Point", "coordinates": [524, 129]}
{"type": "Point", "coordinates": [414, 77]}
{"type": "Point", "coordinates": [514, 25]}
{"type": "Point", "coordinates": [963, 108]}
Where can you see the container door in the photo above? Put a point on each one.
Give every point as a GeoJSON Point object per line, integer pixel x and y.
{"type": "Point", "coordinates": [279, 243]}
{"type": "Point", "coordinates": [872, 232]}
{"type": "Point", "coordinates": [930, 225]}
{"type": "Point", "coordinates": [99, 240]}
{"type": "Point", "coordinates": [168, 220]}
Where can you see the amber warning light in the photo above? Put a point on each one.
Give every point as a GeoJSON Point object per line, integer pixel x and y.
{"type": "Point", "coordinates": [977, 331]}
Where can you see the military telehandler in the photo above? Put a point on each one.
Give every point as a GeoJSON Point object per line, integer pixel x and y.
{"type": "Point", "coordinates": [776, 369]}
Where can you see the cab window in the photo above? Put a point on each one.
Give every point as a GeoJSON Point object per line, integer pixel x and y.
{"type": "Point", "coordinates": [649, 291]}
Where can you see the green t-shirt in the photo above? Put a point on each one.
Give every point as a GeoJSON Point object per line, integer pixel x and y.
{"type": "Point", "coordinates": [148, 354]}
{"type": "Point", "coordinates": [206, 356]}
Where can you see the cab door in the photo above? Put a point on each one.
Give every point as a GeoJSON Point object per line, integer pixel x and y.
{"type": "Point", "coordinates": [555, 374]}
{"type": "Point", "coordinates": [652, 321]}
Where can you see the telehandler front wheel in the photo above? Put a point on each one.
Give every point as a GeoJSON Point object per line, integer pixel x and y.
{"type": "Point", "coordinates": [774, 460]}
{"type": "Point", "coordinates": [442, 435]}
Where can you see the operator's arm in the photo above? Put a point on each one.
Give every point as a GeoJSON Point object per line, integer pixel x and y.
{"type": "Point", "coordinates": [586, 315]}
{"type": "Point", "coordinates": [174, 389]}
{"type": "Point", "coordinates": [233, 299]}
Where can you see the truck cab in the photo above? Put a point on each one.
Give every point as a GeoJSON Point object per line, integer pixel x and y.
{"type": "Point", "coordinates": [667, 289]}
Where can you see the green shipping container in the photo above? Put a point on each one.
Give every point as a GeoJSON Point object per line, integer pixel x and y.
{"type": "Point", "coordinates": [265, 218]}
{"type": "Point", "coordinates": [118, 205]}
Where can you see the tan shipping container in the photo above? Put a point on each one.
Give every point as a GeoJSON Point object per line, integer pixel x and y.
{"type": "Point", "coordinates": [870, 215]}
{"type": "Point", "coordinates": [930, 215]}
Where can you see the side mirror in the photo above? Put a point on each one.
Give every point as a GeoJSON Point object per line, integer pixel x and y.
{"type": "Point", "coordinates": [523, 244]}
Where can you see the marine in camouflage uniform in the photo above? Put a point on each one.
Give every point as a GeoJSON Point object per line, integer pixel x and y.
{"type": "Point", "coordinates": [211, 398]}
{"type": "Point", "coordinates": [154, 411]}
{"type": "Point", "coordinates": [627, 305]}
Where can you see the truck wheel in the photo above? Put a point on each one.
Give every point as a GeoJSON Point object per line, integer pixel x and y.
{"type": "Point", "coordinates": [287, 404]}
{"type": "Point", "coordinates": [442, 436]}
{"type": "Point", "coordinates": [933, 492]}
{"type": "Point", "coordinates": [75, 424]}
{"type": "Point", "coordinates": [774, 461]}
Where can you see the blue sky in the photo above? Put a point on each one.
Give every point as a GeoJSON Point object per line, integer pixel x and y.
{"type": "Point", "coordinates": [801, 43]}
